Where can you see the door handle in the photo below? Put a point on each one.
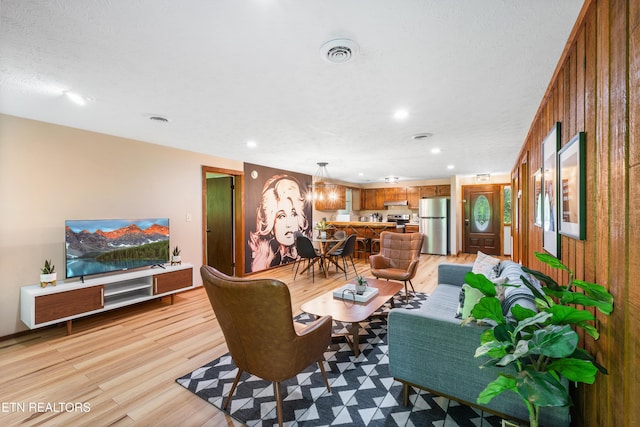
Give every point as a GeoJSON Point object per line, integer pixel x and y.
{"type": "Point", "coordinates": [466, 222]}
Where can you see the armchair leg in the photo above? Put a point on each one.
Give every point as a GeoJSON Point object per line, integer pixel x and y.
{"type": "Point", "coordinates": [324, 373]}
{"type": "Point", "coordinates": [233, 389]}
{"type": "Point", "coordinates": [406, 290]}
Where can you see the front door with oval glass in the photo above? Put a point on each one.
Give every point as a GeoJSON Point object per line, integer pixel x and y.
{"type": "Point", "coordinates": [482, 219]}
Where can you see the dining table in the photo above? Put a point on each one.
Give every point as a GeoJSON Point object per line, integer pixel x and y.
{"type": "Point", "coordinates": [327, 245]}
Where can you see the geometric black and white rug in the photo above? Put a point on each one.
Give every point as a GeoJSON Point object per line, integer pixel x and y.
{"type": "Point", "coordinates": [362, 391]}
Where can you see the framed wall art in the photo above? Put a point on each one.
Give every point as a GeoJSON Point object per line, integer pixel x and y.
{"type": "Point", "coordinates": [550, 236]}
{"type": "Point", "coordinates": [276, 206]}
{"type": "Point", "coordinates": [537, 198]}
{"type": "Point", "coordinates": [571, 163]}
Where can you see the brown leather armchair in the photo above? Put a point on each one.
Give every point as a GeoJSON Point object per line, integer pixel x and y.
{"type": "Point", "coordinates": [398, 257]}
{"type": "Point", "coordinates": [256, 319]}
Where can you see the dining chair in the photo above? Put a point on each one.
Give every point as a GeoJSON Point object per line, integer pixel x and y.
{"type": "Point", "coordinates": [306, 251]}
{"type": "Point", "coordinates": [256, 318]}
{"type": "Point", "coordinates": [345, 252]}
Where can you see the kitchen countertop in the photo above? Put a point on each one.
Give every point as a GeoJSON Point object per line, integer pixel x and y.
{"type": "Point", "coordinates": [371, 224]}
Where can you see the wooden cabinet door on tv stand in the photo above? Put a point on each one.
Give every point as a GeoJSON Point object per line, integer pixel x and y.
{"type": "Point", "coordinates": [167, 282]}
{"type": "Point", "coordinates": [64, 304]}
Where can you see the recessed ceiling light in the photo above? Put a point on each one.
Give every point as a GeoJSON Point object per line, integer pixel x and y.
{"type": "Point", "coordinates": [76, 98]}
{"type": "Point", "coordinates": [450, 167]}
{"type": "Point", "coordinates": [252, 144]}
{"type": "Point", "coordinates": [360, 174]}
{"type": "Point", "coordinates": [401, 114]}
{"type": "Point", "coordinates": [435, 150]}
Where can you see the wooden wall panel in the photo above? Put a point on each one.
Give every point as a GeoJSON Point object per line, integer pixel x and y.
{"type": "Point", "coordinates": [632, 349]}
{"type": "Point", "coordinates": [618, 206]}
{"type": "Point", "coordinates": [596, 89]}
{"type": "Point", "coordinates": [601, 187]}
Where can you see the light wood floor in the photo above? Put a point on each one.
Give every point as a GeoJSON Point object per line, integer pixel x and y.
{"type": "Point", "coordinates": [122, 364]}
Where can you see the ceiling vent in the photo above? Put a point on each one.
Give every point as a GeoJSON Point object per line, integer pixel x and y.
{"type": "Point", "coordinates": [339, 50]}
{"type": "Point", "coordinates": [159, 119]}
{"type": "Point", "coordinates": [420, 136]}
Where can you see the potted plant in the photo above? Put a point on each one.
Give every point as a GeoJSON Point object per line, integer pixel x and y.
{"type": "Point", "coordinates": [48, 274]}
{"type": "Point", "coordinates": [322, 228]}
{"type": "Point", "coordinates": [175, 257]}
{"type": "Point", "coordinates": [540, 349]}
{"type": "Point", "coordinates": [361, 285]}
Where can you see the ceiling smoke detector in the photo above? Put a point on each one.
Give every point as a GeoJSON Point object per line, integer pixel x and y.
{"type": "Point", "coordinates": [339, 50]}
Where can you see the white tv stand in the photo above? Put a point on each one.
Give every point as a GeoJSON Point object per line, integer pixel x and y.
{"type": "Point", "coordinates": [69, 300]}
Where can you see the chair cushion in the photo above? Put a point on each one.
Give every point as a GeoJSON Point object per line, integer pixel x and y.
{"type": "Point", "coordinates": [391, 273]}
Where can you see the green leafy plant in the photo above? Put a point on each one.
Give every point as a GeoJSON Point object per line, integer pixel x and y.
{"type": "Point", "coordinates": [361, 280]}
{"type": "Point", "coordinates": [48, 267]}
{"type": "Point", "coordinates": [540, 348]}
{"type": "Point", "coordinates": [176, 251]}
{"type": "Point", "coordinates": [322, 225]}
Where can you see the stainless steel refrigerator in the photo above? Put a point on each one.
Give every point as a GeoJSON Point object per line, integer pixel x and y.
{"type": "Point", "coordinates": [433, 214]}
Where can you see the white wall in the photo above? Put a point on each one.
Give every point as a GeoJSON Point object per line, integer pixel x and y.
{"type": "Point", "coordinates": [51, 173]}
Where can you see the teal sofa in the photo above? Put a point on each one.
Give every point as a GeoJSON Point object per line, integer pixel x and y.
{"type": "Point", "coordinates": [429, 349]}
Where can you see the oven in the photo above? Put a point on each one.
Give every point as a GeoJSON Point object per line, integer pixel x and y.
{"type": "Point", "coordinates": [399, 219]}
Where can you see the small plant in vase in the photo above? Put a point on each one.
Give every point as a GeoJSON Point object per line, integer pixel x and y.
{"type": "Point", "coordinates": [48, 274]}
{"type": "Point", "coordinates": [322, 228]}
{"type": "Point", "coordinates": [361, 285]}
{"type": "Point", "coordinates": [175, 257]}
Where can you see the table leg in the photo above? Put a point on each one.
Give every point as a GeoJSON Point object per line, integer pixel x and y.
{"type": "Point", "coordinates": [355, 338]}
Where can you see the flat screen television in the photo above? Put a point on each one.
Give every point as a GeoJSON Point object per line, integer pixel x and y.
{"type": "Point", "coordinates": [107, 245]}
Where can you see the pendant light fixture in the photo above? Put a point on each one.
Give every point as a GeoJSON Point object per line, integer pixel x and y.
{"type": "Point", "coordinates": [321, 188]}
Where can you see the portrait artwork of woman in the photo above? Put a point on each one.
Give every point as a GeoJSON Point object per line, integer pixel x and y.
{"type": "Point", "coordinates": [280, 214]}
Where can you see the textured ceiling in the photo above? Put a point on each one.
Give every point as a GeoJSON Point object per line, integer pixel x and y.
{"type": "Point", "coordinates": [472, 73]}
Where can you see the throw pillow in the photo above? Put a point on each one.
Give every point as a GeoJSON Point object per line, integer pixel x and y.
{"type": "Point", "coordinates": [487, 265]}
{"type": "Point", "coordinates": [460, 304]}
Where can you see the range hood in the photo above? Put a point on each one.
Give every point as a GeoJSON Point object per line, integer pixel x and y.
{"type": "Point", "coordinates": [396, 203]}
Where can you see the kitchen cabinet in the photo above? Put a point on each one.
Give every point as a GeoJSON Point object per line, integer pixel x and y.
{"type": "Point", "coordinates": [435, 190]}
{"type": "Point", "coordinates": [394, 194]}
{"type": "Point", "coordinates": [413, 197]}
{"type": "Point", "coordinates": [411, 228]}
{"type": "Point", "coordinates": [372, 199]}
{"type": "Point", "coordinates": [333, 198]}
{"type": "Point", "coordinates": [443, 190]}
{"type": "Point", "coordinates": [428, 191]}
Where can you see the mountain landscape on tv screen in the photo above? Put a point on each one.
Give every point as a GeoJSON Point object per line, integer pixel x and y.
{"type": "Point", "coordinates": [85, 244]}
{"type": "Point", "coordinates": [94, 247]}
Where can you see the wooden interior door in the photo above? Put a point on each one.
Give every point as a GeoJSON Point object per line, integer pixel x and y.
{"type": "Point", "coordinates": [220, 224]}
{"type": "Point", "coordinates": [482, 219]}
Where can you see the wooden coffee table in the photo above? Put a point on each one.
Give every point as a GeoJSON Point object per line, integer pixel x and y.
{"type": "Point", "coordinates": [353, 312]}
